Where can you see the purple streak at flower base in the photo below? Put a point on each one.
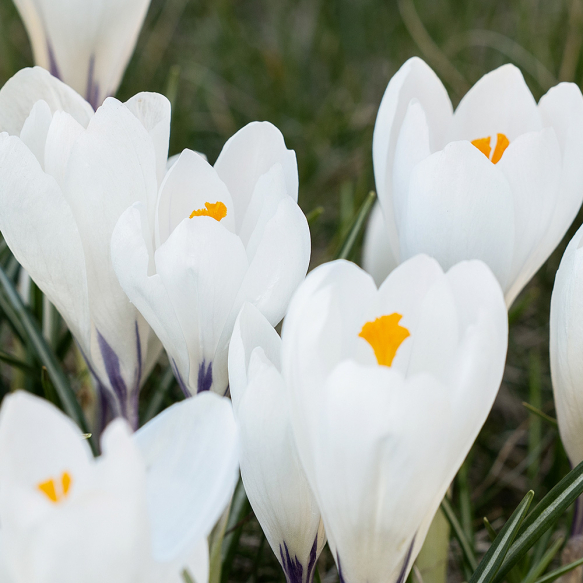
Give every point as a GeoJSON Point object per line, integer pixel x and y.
{"type": "Point", "coordinates": [92, 93]}
{"type": "Point", "coordinates": [53, 67]}
{"type": "Point", "coordinates": [126, 399]}
{"type": "Point", "coordinates": [405, 567]}
{"type": "Point", "coordinates": [205, 377]}
{"type": "Point", "coordinates": [293, 568]}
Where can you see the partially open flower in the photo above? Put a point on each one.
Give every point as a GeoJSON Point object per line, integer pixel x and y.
{"type": "Point", "coordinates": [272, 473]}
{"type": "Point", "coordinates": [66, 175]}
{"type": "Point", "coordinates": [222, 236]}
{"type": "Point", "coordinates": [87, 46]}
{"type": "Point", "coordinates": [139, 512]}
{"type": "Point", "coordinates": [498, 180]}
{"type": "Point", "coordinates": [388, 389]}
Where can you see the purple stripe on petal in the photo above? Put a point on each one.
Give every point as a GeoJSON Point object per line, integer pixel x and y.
{"type": "Point", "coordinates": [112, 368]}
{"type": "Point", "coordinates": [291, 567]}
{"type": "Point", "coordinates": [53, 67]}
{"type": "Point", "coordinates": [92, 94]}
{"type": "Point", "coordinates": [340, 575]}
{"type": "Point", "coordinates": [405, 567]}
{"type": "Point", "coordinates": [205, 377]}
{"type": "Point", "coordinates": [312, 561]}
{"type": "Point", "coordinates": [577, 524]}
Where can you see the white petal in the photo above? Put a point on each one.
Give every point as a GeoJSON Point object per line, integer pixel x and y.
{"type": "Point", "coordinates": [130, 259]}
{"type": "Point", "coordinates": [153, 110]}
{"type": "Point", "coordinates": [566, 343]}
{"type": "Point", "coordinates": [188, 185]}
{"type": "Point", "coordinates": [112, 165]}
{"type": "Point", "coordinates": [562, 109]}
{"type": "Point", "coordinates": [532, 166]}
{"type": "Point", "coordinates": [280, 261]}
{"type": "Point", "coordinates": [202, 266]}
{"type": "Point", "coordinates": [38, 225]}
{"type": "Point", "coordinates": [249, 154]}
{"type": "Point", "coordinates": [377, 254]}
{"type": "Point", "coordinates": [35, 129]}
{"type": "Point", "coordinates": [251, 330]}
{"type": "Point", "coordinates": [62, 134]}
{"type": "Point", "coordinates": [272, 474]}
{"type": "Point", "coordinates": [460, 206]}
{"type": "Point", "coordinates": [376, 473]}
{"type": "Point", "coordinates": [28, 86]}
{"type": "Point", "coordinates": [414, 80]}
{"type": "Point", "coordinates": [412, 147]}
{"type": "Point", "coordinates": [500, 102]}
{"type": "Point", "coordinates": [191, 452]}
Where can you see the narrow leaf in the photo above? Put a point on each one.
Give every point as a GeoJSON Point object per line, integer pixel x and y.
{"type": "Point", "coordinates": [458, 532]}
{"type": "Point", "coordinates": [539, 568]}
{"type": "Point", "coordinates": [550, 577]}
{"type": "Point", "coordinates": [493, 558]}
{"type": "Point", "coordinates": [551, 420]}
{"type": "Point", "coordinates": [491, 532]}
{"type": "Point", "coordinates": [357, 225]}
{"type": "Point", "coordinates": [543, 517]}
{"type": "Point", "coordinates": [34, 338]}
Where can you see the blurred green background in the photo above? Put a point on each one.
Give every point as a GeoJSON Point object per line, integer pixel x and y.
{"type": "Point", "coordinates": [318, 69]}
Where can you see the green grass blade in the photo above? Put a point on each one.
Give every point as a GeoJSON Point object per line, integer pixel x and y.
{"type": "Point", "coordinates": [539, 568]}
{"type": "Point", "coordinates": [550, 577]}
{"type": "Point", "coordinates": [491, 532]}
{"type": "Point", "coordinates": [161, 390]}
{"type": "Point", "coordinates": [551, 420]}
{"type": "Point", "coordinates": [543, 517]}
{"type": "Point", "coordinates": [494, 557]}
{"type": "Point", "coordinates": [458, 532]}
{"type": "Point", "coordinates": [357, 226]}
{"type": "Point", "coordinates": [35, 340]}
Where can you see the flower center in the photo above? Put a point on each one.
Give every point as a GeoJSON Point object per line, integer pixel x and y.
{"type": "Point", "coordinates": [216, 210]}
{"type": "Point", "coordinates": [485, 146]}
{"type": "Point", "coordinates": [385, 335]}
{"type": "Point", "coordinates": [56, 491]}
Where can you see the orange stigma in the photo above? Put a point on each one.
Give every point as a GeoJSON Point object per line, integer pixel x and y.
{"type": "Point", "coordinates": [484, 145]}
{"type": "Point", "coordinates": [385, 335]}
{"type": "Point", "coordinates": [216, 210]}
{"type": "Point", "coordinates": [55, 491]}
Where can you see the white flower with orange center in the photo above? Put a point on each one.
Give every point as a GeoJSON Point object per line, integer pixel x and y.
{"type": "Point", "coordinates": [87, 46]}
{"type": "Point", "coordinates": [499, 179]}
{"type": "Point", "coordinates": [387, 391]}
{"type": "Point", "coordinates": [222, 236]}
{"type": "Point", "coordinates": [139, 512]}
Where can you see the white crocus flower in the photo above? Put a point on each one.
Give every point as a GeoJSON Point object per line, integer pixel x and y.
{"type": "Point", "coordinates": [86, 45]}
{"type": "Point", "coordinates": [139, 512]}
{"type": "Point", "coordinates": [273, 477]}
{"type": "Point", "coordinates": [223, 235]}
{"type": "Point", "coordinates": [566, 347]}
{"type": "Point", "coordinates": [498, 180]}
{"type": "Point", "coordinates": [388, 389]}
{"type": "Point", "coordinates": [66, 175]}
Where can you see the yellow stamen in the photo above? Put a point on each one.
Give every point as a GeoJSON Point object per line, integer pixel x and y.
{"type": "Point", "coordinates": [216, 210]}
{"type": "Point", "coordinates": [501, 144]}
{"type": "Point", "coordinates": [385, 335]}
{"type": "Point", "coordinates": [484, 145]}
{"type": "Point", "coordinates": [49, 488]}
